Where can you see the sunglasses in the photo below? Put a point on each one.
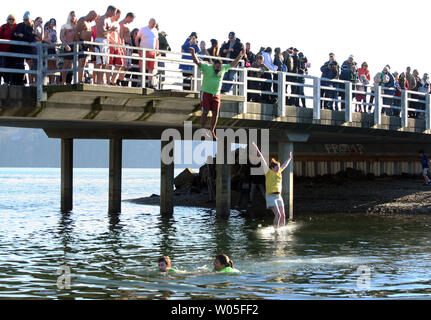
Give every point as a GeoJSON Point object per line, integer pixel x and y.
{"type": "Point", "coordinates": [10, 19]}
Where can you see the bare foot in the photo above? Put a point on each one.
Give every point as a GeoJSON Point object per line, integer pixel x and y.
{"type": "Point", "coordinates": [214, 135]}
{"type": "Point", "coordinates": [207, 133]}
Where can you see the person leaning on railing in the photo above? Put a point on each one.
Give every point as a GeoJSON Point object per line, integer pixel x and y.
{"type": "Point", "coordinates": [330, 70]}
{"type": "Point", "coordinates": [400, 84]}
{"type": "Point", "coordinates": [50, 37]}
{"type": "Point", "coordinates": [191, 42]}
{"type": "Point", "coordinates": [38, 37]}
{"type": "Point", "coordinates": [365, 78]}
{"type": "Point", "coordinates": [23, 32]}
{"type": "Point", "coordinates": [294, 101]}
{"type": "Point", "coordinates": [278, 61]}
{"type": "Point", "coordinates": [303, 69]}
{"type": "Point", "coordinates": [126, 40]}
{"type": "Point", "coordinates": [230, 49]}
{"type": "Point", "coordinates": [256, 85]}
{"type": "Point", "coordinates": [67, 35]}
{"type": "Point", "coordinates": [272, 67]}
{"type": "Point", "coordinates": [6, 31]}
{"type": "Point", "coordinates": [348, 75]}
{"type": "Point", "coordinates": [115, 40]}
{"type": "Point", "coordinates": [214, 49]}
{"type": "Point", "coordinates": [389, 83]}
{"type": "Point", "coordinates": [163, 46]}
{"type": "Point", "coordinates": [415, 104]}
{"type": "Point", "coordinates": [250, 55]}
{"type": "Point", "coordinates": [148, 38]}
{"type": "Point", "coordinates": [83, 33]}
{"type": "Point", "coordinates": [134, 79]}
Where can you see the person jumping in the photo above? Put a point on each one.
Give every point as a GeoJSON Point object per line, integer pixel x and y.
{"type": "Point", "coordinates": [211, 86]}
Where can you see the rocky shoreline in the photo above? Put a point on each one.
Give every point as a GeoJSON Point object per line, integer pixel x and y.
{"type": "Point", "coordinates": [348, 191]}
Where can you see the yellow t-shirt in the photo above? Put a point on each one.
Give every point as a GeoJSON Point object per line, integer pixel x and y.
{"type": "Point", "coordinates": [273, 182]}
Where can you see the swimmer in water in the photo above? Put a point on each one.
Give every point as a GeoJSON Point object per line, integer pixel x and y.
{"type": "Point", "coordinates": [165, 264]}
{"type": "Point", "coordinates": [222, 263]}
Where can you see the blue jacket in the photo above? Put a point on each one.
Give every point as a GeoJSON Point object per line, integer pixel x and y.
{"type": "Point", "coordinates": [390, 84]}
{"type": "Point", "coordinates": [424, 161]}
{"type": "Point", "coordinates": [186, 49]}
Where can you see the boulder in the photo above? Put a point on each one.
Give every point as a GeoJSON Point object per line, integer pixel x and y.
{"type": "Point", "coordinates": [185, 179]}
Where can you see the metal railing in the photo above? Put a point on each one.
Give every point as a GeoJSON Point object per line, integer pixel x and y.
{"type": "Point", "coordinates": [172, 69]}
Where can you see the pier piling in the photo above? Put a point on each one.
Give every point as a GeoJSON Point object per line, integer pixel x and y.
{"type": "Point", "coordinates": [115, 166]}
{"type": "Point", "coordinates": [166, 185]}
{"type": "Point", "coordinates": [66, 175]}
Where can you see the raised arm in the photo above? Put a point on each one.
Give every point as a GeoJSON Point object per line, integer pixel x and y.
{"type": "Point", "coordinates": [194, 57]}
{"type": "Point", "coordinates": [262, 158]}
{"type": "Point", "coordinates": [233, 64]}
{"type": "Point", "coordinates": [287, 162]}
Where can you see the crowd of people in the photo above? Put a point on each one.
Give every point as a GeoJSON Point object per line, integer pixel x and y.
{"type": "Point", "coordinates": [113, 28]}
{"type": "Point", "coordinates": [392, 83]}
{"type": "Point", "coordinates": [107, 30]}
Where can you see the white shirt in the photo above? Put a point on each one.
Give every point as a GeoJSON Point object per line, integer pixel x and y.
{"type": "Point", "coordinates": [267, 60]}
{"type": "Point", "coordinates": [148, 37]}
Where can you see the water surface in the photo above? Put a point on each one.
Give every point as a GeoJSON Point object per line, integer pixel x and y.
{"type": "Point", "coordinates": [115, 256]}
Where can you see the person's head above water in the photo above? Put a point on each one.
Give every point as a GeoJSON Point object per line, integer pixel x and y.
{"type": "Point", "coordinates": [222, 261]}
{"type": "Point", "coordinates": [164, 263]}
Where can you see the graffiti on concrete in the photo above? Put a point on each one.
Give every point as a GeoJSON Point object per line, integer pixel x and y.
{"type": "Point", "coordinates": [350, 149]}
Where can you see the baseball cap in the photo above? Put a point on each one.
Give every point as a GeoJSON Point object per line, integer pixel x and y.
{"type": "Point", "coordinates": [351, 56]}
{"type": "Point", "coordinates": [193, 34]}
{"type": "Point", "coordinates": [231, 34]}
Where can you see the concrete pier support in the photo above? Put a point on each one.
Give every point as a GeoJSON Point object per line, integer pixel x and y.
{"type": "Point", "coordinates": [284, 149]}
{"type": "Point", "coordinates": [166, 185]}
{"type": "Point", "coordinates": [223, 189]}
{"type": "Point", "coordinates": [66, 175]}
{"type": "Point", "coordinates": [115, 166]}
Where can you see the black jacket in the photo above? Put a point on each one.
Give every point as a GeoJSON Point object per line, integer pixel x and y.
{"type": "Point", "coordinates": [288, 61]}
{"type": "Point", "coordinates": [303, 65]}
{"type": "Point", "coordinates": [250, 57]}
{"type": "Point", "coordinates": [163, 43]}
{"type": "Point", "coordinates": [295, 64]}
{"type": "Point", "coordinates": [237, 48]}
{"type": "Point", "coordinates": [27, 31]}
{"type": "Point", "coordinates": [278, 63]}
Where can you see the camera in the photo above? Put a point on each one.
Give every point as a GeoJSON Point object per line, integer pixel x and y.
{"type": "Point", "coordinates": [333, 65]}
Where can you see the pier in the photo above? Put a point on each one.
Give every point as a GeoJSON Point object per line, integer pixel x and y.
{"type": "Point", "coordinates": [322, 141]}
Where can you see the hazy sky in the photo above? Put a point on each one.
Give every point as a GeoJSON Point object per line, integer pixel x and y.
{"type": "Point", "coordinates": [380, 32]}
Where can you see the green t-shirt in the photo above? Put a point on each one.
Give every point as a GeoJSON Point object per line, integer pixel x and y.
{"type": "Point", "coordinates": [212, 82]}
{"type": "Point", "coordinates": [228, 270]}
{"type": "Point", "coordinates": [168, 270]}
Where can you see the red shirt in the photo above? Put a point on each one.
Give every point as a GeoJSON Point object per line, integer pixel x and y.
{"type": "Point", "coordinates": [366, 72]}
{"type": "Point", "coordinates": [403, 85]}
{"type": "Point", "coordinates": [6, 34]}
